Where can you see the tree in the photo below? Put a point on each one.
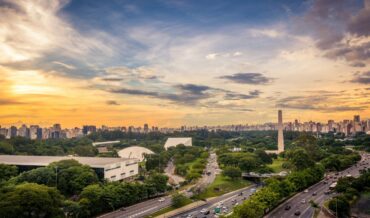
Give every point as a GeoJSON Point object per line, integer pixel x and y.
{"type": "Point", "coordinates": [85, 151]}
{"type": "Point", "coordinates": [300, 159]}
{"type": "Point", "coordinates": [332, 163]}
{"type": "Point", "coordinates": [6, 148]}
{"type": "Point", "coordinates": [340, 206]}
{"type": "Point", "coordinates": [73, 176]}
{"type": "Point", "coordinates": [179, 200]}
{"type": "Point", "coordinates": [158, 181]}
{"type": "Point", "coordinates": [74, 209]}
{"type": "Point", "coordinates": [248, 163]}
{"type": "Point", "coordinates": [91, 198]}
{"type": "Point", "coordinates": [31, 200]}
{"type": "Point", "coordinates": [7, 171]}
{"type": "Point", "coordinates": [250, 209]}
{"type": "Point", "coordinates": [42, 175]}
{"type": "Point", "coordinates": [232, 172]}
{"type": "Point", "coordinates": [72, 180]}
{"type": "Point", "coordinates": [263, 156]}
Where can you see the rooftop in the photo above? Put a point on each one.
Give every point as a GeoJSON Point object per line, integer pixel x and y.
{"type": "Point", "coordinates": [24, 160]}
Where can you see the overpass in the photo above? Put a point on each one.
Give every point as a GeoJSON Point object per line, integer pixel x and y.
{"type": "Point", "coordinates": [263, 175]}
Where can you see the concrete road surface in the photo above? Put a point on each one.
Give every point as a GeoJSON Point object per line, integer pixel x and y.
{"type": "Point", "coordinates": [226, 202]}
{"type": "Point", "coordinates": [300, 202]}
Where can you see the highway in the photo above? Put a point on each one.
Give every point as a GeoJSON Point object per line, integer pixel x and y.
{"type": "Point", "coordinates": [226, 202]}
{"type": "Point", "coordinates": [151, 206]}
{"type": "Point", "coordinates": [299, 203]}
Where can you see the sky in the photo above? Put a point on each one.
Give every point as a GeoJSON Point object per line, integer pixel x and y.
{"type": "Point", "coordinates": [183, 62]}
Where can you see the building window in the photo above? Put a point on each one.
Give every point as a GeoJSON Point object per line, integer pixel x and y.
{"type": "Point", "coordinates": [106, 170]}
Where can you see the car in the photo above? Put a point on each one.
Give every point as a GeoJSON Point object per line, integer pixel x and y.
{"type": "Point", "coordinates": [305, 191]}
{"type": "Point", "coordinates": [314, 193]}
{"type": "Point", "coordinates": [207, 212]}
{"type": "Point", "coordinates": [287, 207]}
{"type": "Point", "coordinates": [303, 201]}
{"type": "Point", "coordinates": [245, 198]}
{"type": "Point", "coordinates": [325, 182]}
{"type": "Point", "coordinates": [327, 192]}
{"type": "Point", "coordinates": [203, 210]}
{"type": "Point", "coordinates": [241, 194]}
{"type": "Point", "coordinates": [161, 199]}
{"type": "Point", "coordinates": [297, 213]}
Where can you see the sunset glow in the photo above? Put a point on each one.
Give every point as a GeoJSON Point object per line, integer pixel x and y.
{"type": "Point", "coordinates": [172, 63]}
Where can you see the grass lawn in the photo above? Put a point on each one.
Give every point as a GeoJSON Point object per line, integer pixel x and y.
{"type": "Point", "coordinates": [222, 185]}
{"type": "Point", "coordinates": [277, 165]}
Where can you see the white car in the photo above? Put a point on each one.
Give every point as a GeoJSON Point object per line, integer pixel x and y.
{"type": "Point", "coordinates": [161, 199]}
{"type": "Point", "coordinates": [203, 210]}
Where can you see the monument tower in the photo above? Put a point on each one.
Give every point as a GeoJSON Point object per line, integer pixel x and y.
{"type": "Point", "coordinates": [280, 132]}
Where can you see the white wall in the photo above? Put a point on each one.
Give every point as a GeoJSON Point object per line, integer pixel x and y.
{"type": "Point", "coordinates": [122, 170]}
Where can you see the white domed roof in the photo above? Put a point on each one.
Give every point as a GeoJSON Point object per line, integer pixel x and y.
{"type": "Point", "coordinates": [134, 152]}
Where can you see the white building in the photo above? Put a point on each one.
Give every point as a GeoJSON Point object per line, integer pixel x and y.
{"type": "Point", "coordinates": [135, 152]}
{"type": "Point", "coordinates": [172, 142]}
{"type": "Point", "coordinates": [113, 169]}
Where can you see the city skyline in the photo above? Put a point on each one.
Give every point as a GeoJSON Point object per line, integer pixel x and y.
{"type": "Point", "coordinates": [123, 124]}
{"type": "Point", "coordinates": [347, 126]}
{"type": "Point", "coordinates": [173, 63]}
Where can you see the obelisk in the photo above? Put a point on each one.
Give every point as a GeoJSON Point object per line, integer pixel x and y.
{"type": "Point", "coordinates": [280, 132]}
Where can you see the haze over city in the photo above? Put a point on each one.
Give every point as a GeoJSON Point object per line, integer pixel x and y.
{"type": "Point", "coordinates": [173, 63]}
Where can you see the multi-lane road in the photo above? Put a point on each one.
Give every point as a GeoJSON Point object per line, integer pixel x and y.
{"type": "Point", "coordinates": [300, 206]}
{"type": "Point", "coordinates": [225, 202]}
{"type": "Point", "coordinates": [151, 206]}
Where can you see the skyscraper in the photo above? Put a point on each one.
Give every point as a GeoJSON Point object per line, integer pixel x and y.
{"type": "Point", "coordinates": [356, 118]}
{"type": "Point", "coordinates": [280, 132]}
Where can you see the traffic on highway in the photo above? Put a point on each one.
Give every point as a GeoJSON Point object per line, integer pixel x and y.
{"type": "Point", "coordinates": [300, 204]}
{"type": "Point", "coordinates": [221, 205]}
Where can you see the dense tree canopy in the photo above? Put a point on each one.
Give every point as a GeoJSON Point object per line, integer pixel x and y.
{"type": "Point", "coordinates": [30, 200]}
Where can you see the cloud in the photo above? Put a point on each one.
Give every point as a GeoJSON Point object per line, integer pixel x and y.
{"type": "Point", "coordinates": [123, 73]}
{"type": "Point", "coordinates": [6, 101]}
{"type": "Point", "coordinates": [112, 102]}
{"type": "Point", "coordinates": [238, 96]}
{"type": "Point", "coordinates": [68, 66]}
{"type": "Point", "coordinates": [195, 89]}
{"type": "Point", "coordinates": [322, 101]}
{"type": "Point", "coordinates": [189, 94]}
{"type": "Point", "coordinates": [341, 30]}
{"type": "Point", "coordinates": [271, 33]}
{"type": "Point", "coordinates": [212, 56]}
{"type": "Point", "coordinates": [360, 23]}
{"type": "Point", "coordinates": [358, 64]}
{"type": "Point", "coordinates": [34, 35]}
{"type": "Point", "coordinates": [248, 78]}
{"type": "Point", "coordinates": [362, 78]}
